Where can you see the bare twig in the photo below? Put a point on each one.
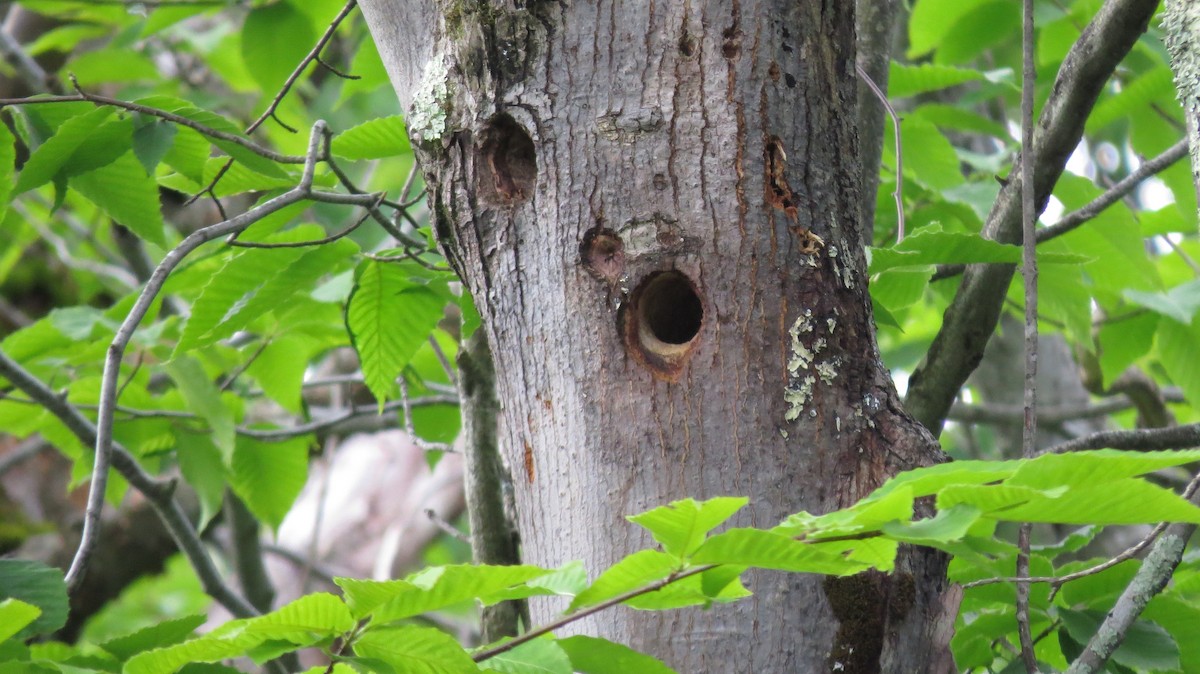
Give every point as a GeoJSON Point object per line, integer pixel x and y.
{"type": "Point", "coordinates": [1177, 437]}
{"type": "Point", "coordinates": [1156, 570]}
{"type": "Point", "coordinates": [445, 526]}
{"type": "Point", "coordinates": [898, 193]}
{"type": "Point", "coordinates": [1115, 193]}
{"type": "Point", "coordinates": [973, 314]}
{"type": "Point", "coordinates": [488, 653]}
{"type": "Point", "coordinates": [98, 99]}
{"type": "Point", "coordinates": [993, 413]}
{"type": "Point", "coordinates": [160, 495]}
{"type": "Point", "coordinates": [336, 424]}
{"type": "Point", "coordinates": [313, 55]}
{"type": "Point", "coordinates": [1029, 273]}
{"type": "Point", "coordinates": [116, 350]}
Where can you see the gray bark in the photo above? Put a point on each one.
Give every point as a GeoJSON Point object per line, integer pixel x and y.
{"type": "Point", "coordinates": [1181, 28]}
{"type": "Point", "coordinates": [657, 209]}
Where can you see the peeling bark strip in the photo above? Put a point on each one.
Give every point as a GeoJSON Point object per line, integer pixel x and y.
{"type": "Point", "coordinates": [662, 157]}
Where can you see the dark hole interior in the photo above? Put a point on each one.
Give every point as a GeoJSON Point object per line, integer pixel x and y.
{"type": "Point", "coordinates": [671, 309]}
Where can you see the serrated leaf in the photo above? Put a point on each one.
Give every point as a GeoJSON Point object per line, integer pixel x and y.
{"type": "Point", "coordinates": [124, 191]}
{"type": "Point", "coordinates": [205, 471]}
{"type": "Point", "coordinates": [16, 615]}
{"type": "Point", "coordinates": [681, 526]}
{"type": "Point", "coordinates": [912, 79]}
{"type": "Point", "coordinates": [269, 476]}
{"type": "Point", "coordinates": [1180, 302]}
{"type": "Point", "coordinates": [415, 650]}
{"type": "Point", "coordinates": [770, 550]}
{"type": "Point", "coordinates": [591, 655]}
{"type": "Point", "coordinates": [948, 525]}
{"type": "Point", "coordinates": [539, 656]}
{"type": "Point", "coordinates": [374, 139]}
{"type": "Point", "coordinates": [930, 245]}
{"type": "Point", "coordinates": [204, 399]}
{"type": "Point", "coordinates": [435, 588]}
{"type": "Point", "coordinates": [635, 571]}
{"type": "Point", "coordinates": [388, 318]}
{"type": "Point", "coordinates": [152, 140]}
{"type": "Point", "coordinates": [166, 633]}
{"type": "Point", "coordinates": [39, 585]}
{"type": "Point", "coordinates": [1176, 347]}
{"type": "Point", "coordinates": [274, 39]}
{"type": "Point", "coordinates": [221, 308]}
{"type": "Point", "coordinates": [305, 621]}
{"type": "Point", "coordinates": [49, 157]}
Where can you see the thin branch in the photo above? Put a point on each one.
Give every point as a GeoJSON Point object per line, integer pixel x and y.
{"type": "Point", "coordinates": [973, 314]}
{"type": "Point", "coordinates": [445, 526]}
{"type": "Point", "coordinates": [488, 653]}
{"type": "Point", "coordinates": [1153, 575]}
{"type": "Point", "coordinates": [313, 55]}
{"type": "Point", "coordinates": [1029, 272]}
{"type": "Point", "coordinates": [1093, 208]}
{"type": "Point", "coordinates": [233, 239]}
{"type": "Point", "coordinates": [29, 70]}
{"type": "Point", "coordinates": [160, 495]}
{"type": "Point", "coordinates": [336, 424]}
{"type": "Point", "coordinates": [1056, 582]}
{"type": "Point", "coordinates": [1149, 439]}
{"type": "Point", "coordinates": [1115, 193]}
{"type": "Point", "coordinates": [898, 193]}
{"type": "Point", "coordinates": [994, 413]}
{"type": "Point", "coordinates": [161, 114]}
{"type": "Point", "coordinates": [116, 350]}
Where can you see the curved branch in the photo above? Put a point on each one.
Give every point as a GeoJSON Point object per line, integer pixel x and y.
{"type": "Point", "coordinates": [971, 318]}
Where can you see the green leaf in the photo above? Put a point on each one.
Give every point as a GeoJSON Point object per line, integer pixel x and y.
{"type": "Point", "coordinates": [374, 139]}
{"type": "Point", "coordinates": [947, 526]}
{"type": "Point", "coordinates": [437, 587]}
{"type": "Point", "coordinates": [633, 572]}
{"type": "Point", "coordinates": [1095, 467]}
{"type": "Point", "coordinates": [933, 20]}
{"type": "Point", "coordinates": [38, 585]}
{"type": "Point", "coordinates": [909, 80]}
{"type": "Point", "coordinates": [930, 245]}
{"type": "Point", "coordinates": [166, 633]}
{"type": "Point", "coordinates": [8, 158]}
{"type": "Point", "coordinates": [1128, 501]}
{"type": "Point", "coordinates": [1180, 302]}
{"type": "Point", "coordinates": [259, 280]}
{"type": "Point", "coordinates": [539, 656]}
{"type": "Point", "coordinates": [681, 526]}
{"type": "Point", "coordinates": [116, 65]}
{"type": "Point", "coordinates": [1154, 86]}
{"type": "Point", "coordinates": [303, 622]}
{"type": "Point", "coordinates": [127, 194]}
{"type": "Point", "coordinates": [205, 471]}
{"type": "Point", "coordinates": [16, 615]}
{"type": "Point", "coordinates": [770, 550]}
{"type": "Point", "coordinates": [929, 158]}
{"type": "Point", "coordinates": [1176, 347]}
{"type": "Point", "coordinates": [275, 38]}
{"type": "Point", "coordinates": [590, 655]}
{"type": "Point", "coordinates": [389, 318]}
{"type": "Point", "coordinates": [152, 140]}
{"type": "Point", "coordinates": [269, 476]}
{"type": "Point", "coordinates": [46, 161]}
{"type": "Point", "coordinates": [204, 399]}
{"type": "Point", "coordinates": [415, 650]}
{"type": "Point", "coordinates": [1146, 647]}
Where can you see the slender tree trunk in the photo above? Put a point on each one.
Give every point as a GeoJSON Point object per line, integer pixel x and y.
{"type": "Point", "coordinates": [657, 209]}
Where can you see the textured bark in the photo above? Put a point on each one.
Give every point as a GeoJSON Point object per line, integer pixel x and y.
{"type": "Point", "coordinates": [631, 190]}
{"type": "Point", "coordinates": [1181, 27]}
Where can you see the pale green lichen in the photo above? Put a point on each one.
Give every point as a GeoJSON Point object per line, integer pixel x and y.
{"type": "Point", "coordinates": [828, 371]}
{"type": "Point", "coordinates": [429, 114]}
{"type": "Point", "coordinates": [796, 397]}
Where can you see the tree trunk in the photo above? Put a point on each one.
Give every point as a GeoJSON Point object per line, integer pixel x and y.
{"type": "Point", "coordinates": [656, 208]}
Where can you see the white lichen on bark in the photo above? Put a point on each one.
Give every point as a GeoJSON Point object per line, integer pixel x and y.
{"type": "Point", "coordinates": [430, 111]}
{"type": "Point", "coordinates": [1181, 28]}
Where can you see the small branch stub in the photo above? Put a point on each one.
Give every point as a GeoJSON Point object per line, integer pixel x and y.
{"type": "Point", "coordinates": [661, 322]}
{"type": "Point", "coordinates": [507, 163]}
